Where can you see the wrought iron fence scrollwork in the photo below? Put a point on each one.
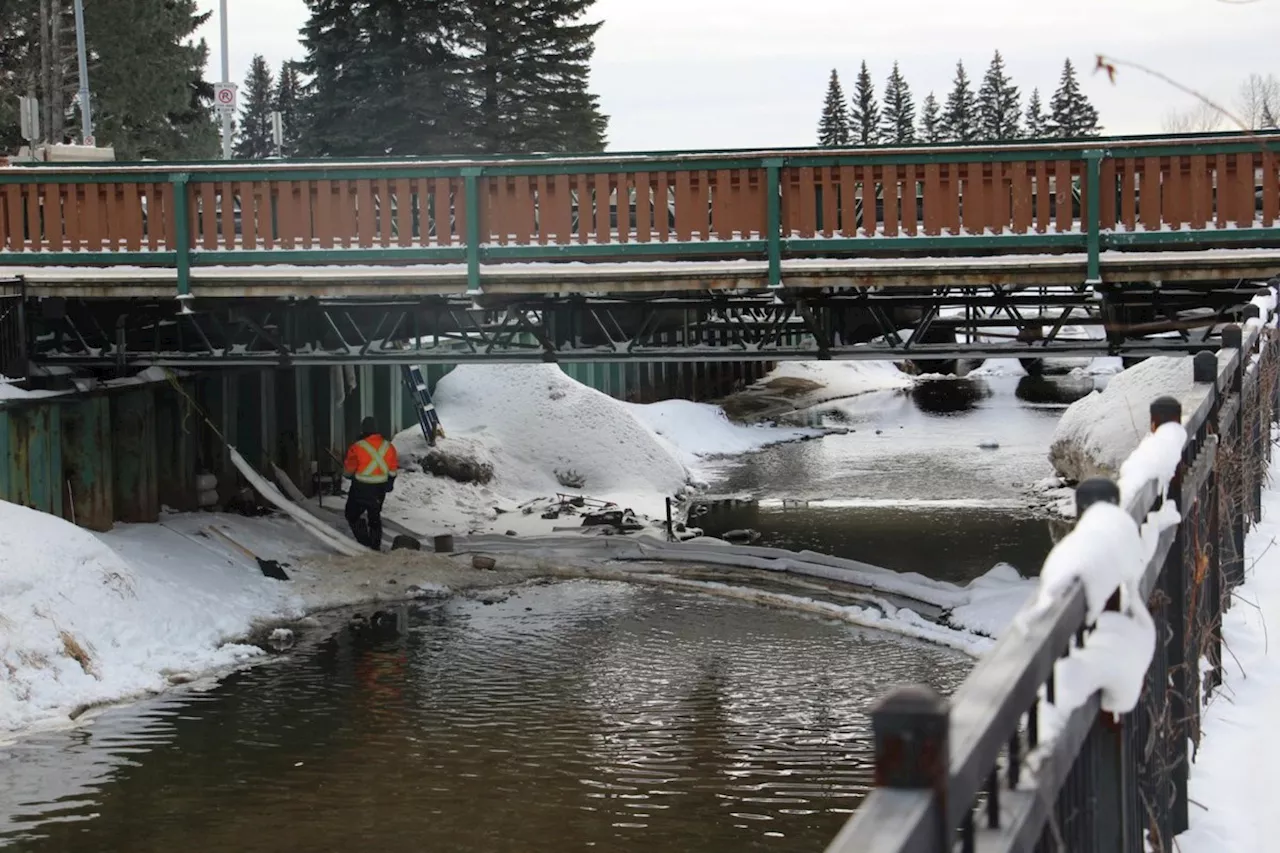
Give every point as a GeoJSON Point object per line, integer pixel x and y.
{"type": "Point", "coordinates": [1100, 782]}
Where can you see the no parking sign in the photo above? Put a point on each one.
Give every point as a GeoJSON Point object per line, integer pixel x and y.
{"type": "Point", "coordinates": [224, 97]}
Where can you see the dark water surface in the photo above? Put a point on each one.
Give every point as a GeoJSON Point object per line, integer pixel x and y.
{"type": "Point", "coordinates": [572, 716]}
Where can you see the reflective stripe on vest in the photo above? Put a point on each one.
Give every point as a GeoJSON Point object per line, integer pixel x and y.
{"type": "Point", "coordinates": [377, 470]}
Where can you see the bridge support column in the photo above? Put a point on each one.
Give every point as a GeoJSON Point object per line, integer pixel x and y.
{"type": "Point", "coordinates": [87, 454]}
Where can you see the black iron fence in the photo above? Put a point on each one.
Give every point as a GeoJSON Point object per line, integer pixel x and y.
{"type": "Point", "coordinates": [975, 773]}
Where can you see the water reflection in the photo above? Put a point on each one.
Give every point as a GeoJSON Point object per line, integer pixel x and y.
{"type": "Point", "coordinates": [569, 716]}
{"type": "Point", "coordinates": [1059, 391]}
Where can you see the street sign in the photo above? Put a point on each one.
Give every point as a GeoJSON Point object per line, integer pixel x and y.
{"type": "Point", "coordinates": [29, 118]}
{"type": "Point", "coordinates": [224, 97]}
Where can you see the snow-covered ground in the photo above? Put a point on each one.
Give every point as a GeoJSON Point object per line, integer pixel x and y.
{"type": "Point", "coordinates": [1232, 780]}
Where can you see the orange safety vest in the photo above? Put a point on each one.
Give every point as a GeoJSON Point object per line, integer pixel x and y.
{"type": "Point", "coordinates": [371, 460]}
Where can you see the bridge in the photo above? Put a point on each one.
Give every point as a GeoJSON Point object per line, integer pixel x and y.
{"type": "Point", "coordinates": [931, 253]}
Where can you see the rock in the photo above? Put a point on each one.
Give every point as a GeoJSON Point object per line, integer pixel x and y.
{"type": "Point", "coordinates": [455, 463]}
{"type": "Point", "coordinates": [281, 639]}
{"type": "Point", "coordinates": [483, 563]}
{"type": "Point", "coordinates": [988, 445]}
{"type": "Point", "coordinates": [181, 677]}
{"type": "Point", "coordinates": [1098, 432]}
{"type": "Point", "coordinates": [512, 533]}
{"type": "Point", "coordinates": [741, 537]}
{"type": "Point", "coordinates": [403, 542]}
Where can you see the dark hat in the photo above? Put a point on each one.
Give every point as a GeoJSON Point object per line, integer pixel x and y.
{"type": "Point", "coordinates": [368, 426]}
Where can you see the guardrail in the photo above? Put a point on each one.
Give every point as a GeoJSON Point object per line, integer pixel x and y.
{"type": "Point", "coordinates": [994, 768]}
{"type": "Point", "coordinates": [1085, 196]}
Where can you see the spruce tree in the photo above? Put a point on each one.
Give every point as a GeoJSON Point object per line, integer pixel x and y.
{"type": "Point", "coordinates": [998, 107]}
{"type": "Point", "coordinates": [1070, 113]}
{"type": "Point", "coordinates": [930, 121]}
{"type": "Point", "coordinates": [288, 102]}
{"type": "Point", "coordinates": [960, 115]}
{"type": "Point", "coordinates": [898, 126]}
{"type": "Point", "coordinates": [1037, 126]}
{"type": "Point", "coordinates": [527, 68]}
{"type": "Point", "coordinates": [254, 140]}
{"type": "Point", "coordinates": [865, 117]}
{"type": "Point", "coordinates": [386, 79]}
{"type": "Point", "coordinates": [833, 128]}
{"type": "Point", "coordinates": [153, 103]}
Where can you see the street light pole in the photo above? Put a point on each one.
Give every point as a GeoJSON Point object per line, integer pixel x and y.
{"type": "Point", "coordinates": [86, 108]}
{"type": "Point", "coordinates": [226, 78]}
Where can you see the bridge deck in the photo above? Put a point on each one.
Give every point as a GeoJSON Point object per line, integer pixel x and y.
{"type": "Point", "coordinates": [636, 277]}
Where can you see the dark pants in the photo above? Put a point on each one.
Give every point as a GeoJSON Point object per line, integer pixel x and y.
{"type": "Point", "coordinates": [365, 499]}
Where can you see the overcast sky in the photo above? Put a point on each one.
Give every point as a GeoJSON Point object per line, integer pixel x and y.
{"type": "Point", "coordinates": [743, 73]}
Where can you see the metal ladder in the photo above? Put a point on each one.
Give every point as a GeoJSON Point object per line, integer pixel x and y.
{"type": "Point", "coordinates": [427, 417]}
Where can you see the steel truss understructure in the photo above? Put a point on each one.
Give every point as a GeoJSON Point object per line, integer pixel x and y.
{"type": "Point", "coordinates": [944, 323]}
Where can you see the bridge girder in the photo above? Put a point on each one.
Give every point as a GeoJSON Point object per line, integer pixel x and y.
{"type": "Point", "coordinates": [926, 324]}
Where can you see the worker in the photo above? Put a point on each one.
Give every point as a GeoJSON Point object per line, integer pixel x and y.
{"type": "Point", "coordinates": [372, 467]}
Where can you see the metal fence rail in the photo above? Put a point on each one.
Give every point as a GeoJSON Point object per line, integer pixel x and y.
{"type": "Point", "coordinates": [975, 774]}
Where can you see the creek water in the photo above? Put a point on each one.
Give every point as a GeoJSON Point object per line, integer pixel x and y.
{"type": "Point", "coordinates": [578, 715]}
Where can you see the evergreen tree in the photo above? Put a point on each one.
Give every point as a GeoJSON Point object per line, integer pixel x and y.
{"type": "Point", "coordinates": [833, 128]}
{"type": "Point", "coordinates": [999, 112]}
{"type": "Point", "coordinates": [899, 123]}
{"type": "Point", "coordinates": [1037, 126]}
{"type": "Point", "coordinates": [386, 79]}
{"type": "Point", "coordinates": [930, 121]}
{"type": "Point", "coordinates": [865, 117]}
{"type": "Point", "coordinates": [254, 140]}
{"type": "Point", "coordinates": [1070, 113]}
{"type": "Point", "coordinates": [960, 115]}
{"type": "Point", "coordinates": [527, 68]}
{"type": "Point", "coordinates": [288, 102]}
{"type": "Point", "coordinates": [152, 103]}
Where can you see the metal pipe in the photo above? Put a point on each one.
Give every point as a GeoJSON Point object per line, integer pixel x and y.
{"type": "Point", "coordinates": [226, 78]}
{"type": "Point", "coordinates": [86, 108]}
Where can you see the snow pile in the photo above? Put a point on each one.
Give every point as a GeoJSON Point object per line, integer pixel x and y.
{"type": "Point", "coordinates": [697, 430]}
{"type": "Point", "coordinates": [1233, 775]}
{"type": "Point", "coordinates": [1155, 458]}
{"type": "Point", "coordinates": [541, 433]}
{"type": "Point", "coordinates": [10, 390]}
{"type": "Point", "coordinates": [81, 624]}
{"type": "Point", "coordinates": [1098, 432]}
{"type": "Point", "coordinates": [836, 379]}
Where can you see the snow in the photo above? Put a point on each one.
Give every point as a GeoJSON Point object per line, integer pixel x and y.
{"type": "Point", "coordinates": [1233, 776]}
{"type": "Point", "coordinates": [1155, 458]}
{"type": "Point", "coordinates": [697, 430]}
{"type": "Point", "coordinates": [10, 390]}
{"type": "Point", "coordinates": [86, 619]}
{"type": "Point", "coordinates": [838, 379]}
{"type": "Point", "coordinates": [1098, 432]}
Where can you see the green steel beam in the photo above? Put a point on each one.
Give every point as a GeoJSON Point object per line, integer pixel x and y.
{"type": "Point", "coordinates": [182, 238]}
{"type": "Point", "coordinates": [1212, 142]}
{"type": "Point", "coordinates": [471, 177]}
{"type": "Point", "coordinates": [87, 259]}
{"type": "Point", "coordinates": [631, 249]}
{"type": "Point", "coordinates": [981, 242]}
{"type": "Point", "coordinates": [391, 254]}
{"type": "Point", "coordinates": [773, 219]}
{"type": "Point", "coordinates": [1258, 237]}
{"type": "Point", "coordinates": [1093, 216]}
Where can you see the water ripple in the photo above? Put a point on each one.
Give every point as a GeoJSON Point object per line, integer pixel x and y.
{"type": "Point", "coordinates": [571, 715]}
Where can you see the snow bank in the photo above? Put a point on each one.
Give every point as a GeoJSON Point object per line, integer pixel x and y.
{"type": "Point", "coordinates": [1098, 432]}
{"type": "Point", "coordinates": [697, 430]}
{"type": "Point", "coordinates": [82, 622]}
{"type": "Point", "coordinates": [1234, 772]}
